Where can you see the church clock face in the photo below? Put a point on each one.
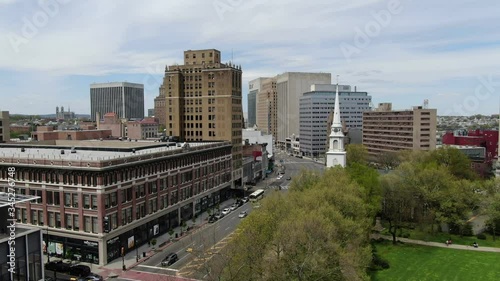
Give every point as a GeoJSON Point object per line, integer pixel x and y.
{"type": "Point", "coordinates": [336, 130]}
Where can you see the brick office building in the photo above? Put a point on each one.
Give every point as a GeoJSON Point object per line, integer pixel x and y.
{"type": "Point", "coordinates": [105, 195]}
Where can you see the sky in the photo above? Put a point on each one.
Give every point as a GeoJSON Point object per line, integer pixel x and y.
{"type": "Point", "coordinates": [399, 51]}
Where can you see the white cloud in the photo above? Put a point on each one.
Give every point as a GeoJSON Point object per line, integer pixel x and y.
{"type": "Point", "coordinates": [418, 49]}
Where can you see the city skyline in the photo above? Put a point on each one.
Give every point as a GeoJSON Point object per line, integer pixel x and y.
{"type": "Point", "coordinates": [399, 51]}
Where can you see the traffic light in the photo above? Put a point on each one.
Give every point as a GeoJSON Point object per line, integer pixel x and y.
{"type": "Point", "coordinates": [105, 225]}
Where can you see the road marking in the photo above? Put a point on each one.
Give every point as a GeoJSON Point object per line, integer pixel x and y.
{"type": "Point", "coordinates": [157, 267]}
{"type": "Point", "coordinates": [227, 228]}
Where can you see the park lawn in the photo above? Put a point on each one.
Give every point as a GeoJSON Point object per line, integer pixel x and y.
{"type": "Point", "coordinates": [416, 263]}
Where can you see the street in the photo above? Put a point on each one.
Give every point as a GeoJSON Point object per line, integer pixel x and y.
{"type": "Point", "coordinates": [195, 249]}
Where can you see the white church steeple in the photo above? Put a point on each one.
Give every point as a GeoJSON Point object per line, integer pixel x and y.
{"type": "Point", "coordinates": [336, 154]}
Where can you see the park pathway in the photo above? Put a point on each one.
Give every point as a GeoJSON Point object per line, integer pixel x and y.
{"type": "Point", "coordinates": [443, 245]}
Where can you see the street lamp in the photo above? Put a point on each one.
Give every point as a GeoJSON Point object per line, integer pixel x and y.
{"type": "Point", "coordinates": [123, 259]}
{"type": "Point", "coordinates": [136, 251]}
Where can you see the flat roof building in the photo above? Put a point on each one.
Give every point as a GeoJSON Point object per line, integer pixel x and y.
{"type": "Point", "coordinates": [386, 130]}
{"type": "Point", "coordinates": [124, 98]}
{"type": "Point", "coordinates": [97, 197]}
{"type": "Point", "coordinates": [315, 108]}
{"type": "Point", "coordinates": [289, 88]}
{"type": "Point", "coordinates": [203, 102]}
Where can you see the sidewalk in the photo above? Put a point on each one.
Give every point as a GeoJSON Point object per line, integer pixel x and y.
{"type": "Point", "coordinates": [442, 245]}
{"type": "Point", "coordinates": [115, 267]}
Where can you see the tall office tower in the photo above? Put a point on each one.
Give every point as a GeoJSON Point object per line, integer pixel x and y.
{"type": "Point", "coordinates": [267, 107]}
{"type": "Point", "coordinates": [123, 98]}
{"type": "Point", "coordinates": [160, 104]}
{"type": "Point", "coordinates": [289, 87]}
{"type": "Point", "coordinates": [4, 126]}
{"type": "Point", "coordinates": [386, 130]}
{"type": "Point", "coordinates": [315, 109]}
{"type": "Point", "coordinates": [203, 102]}
{"type": "Point", "coordinates": [253, 90]}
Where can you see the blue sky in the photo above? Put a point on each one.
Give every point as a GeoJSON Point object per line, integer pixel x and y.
{"type": "Point", "coordinates": [399, 51]}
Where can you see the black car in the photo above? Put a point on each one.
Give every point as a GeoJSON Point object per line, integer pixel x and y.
{"type": "Point", "coordinates": [212, 219]}
{"type": "Point", "coordinates": [79, 270]}
{"type": "Point", "coordinates": [169, 259]}
{"type": "Point", "coordinates": [58, 266]}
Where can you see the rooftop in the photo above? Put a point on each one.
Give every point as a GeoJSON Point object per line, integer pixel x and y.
{"type": "Point", "coordinates": [94, 150]}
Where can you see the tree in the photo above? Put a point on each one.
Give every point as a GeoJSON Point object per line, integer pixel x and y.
{"type": "Point", "coordinates": [153, 242]}
{"type": "Point", "coordinates": [398, 203]}
{"type": "Point", "coordinates": [319, 230]}
{"type": "Point", "coordinates": [389, 160]}
{"type": "Point", "coordinates": [171, 233]}
{"type": "Point", "coordinates": [455, 161]}
{"type": "Point", "coordinates": [356, 153]}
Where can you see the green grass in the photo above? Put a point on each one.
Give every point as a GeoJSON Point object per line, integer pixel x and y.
{"type": "Point", "coordinates": [425, 235]}
{"type": "Point", "coordinates": [416, 263]}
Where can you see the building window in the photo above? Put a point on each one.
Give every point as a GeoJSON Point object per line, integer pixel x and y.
{"type": "Point", "coordinates": [94, 225]}
{"type": "Point", "coordinates": [69, 222]}
{"type": "Point", "coordinates": [76, 223]}
{"type": "Point", "coordinates": [86, 201]}
{"type": "Point", "coordinates": [58, 220]}
{"type": "Point", "coordinates": [87, 225]}
{"type": "Point", "coordinates": [94, 202]}
{"type": "Point", "coordinates": [51, 219]}
{"type": "Point", "coordinates": [34, 217]}
{"type": "Point", "coordinates": [75, 200]}
{"type": "Point", "coordinates": [57, 200]}
{"type": "Point", "coordinates": [67, 199]}
{"type": "Point", "coordinates": [114, 221]}
{"type": "Point", "coordinates": [40, 217]}
{"type": "Point", "coordinates": [49, 195]}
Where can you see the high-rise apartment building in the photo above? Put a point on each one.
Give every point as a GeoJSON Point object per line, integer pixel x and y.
{"type": "Point", "coordinates": [267, 110]}
{"type": "Point", "coordinates": [203, 102]}
{"type": "Point", "coordinates": [4, 126]}
{"type": "Point", "coordinates": [315, 108]}
{"type": "Point", "coordinates": [386, 130]}
{"type": "Point", "coordinates": [289, 87]}
{"type": "Point", "coordinates": [253, 90]}
{"type": "Point", "coordinates": [123, 98]}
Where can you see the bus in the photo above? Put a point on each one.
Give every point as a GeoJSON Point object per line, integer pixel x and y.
{"type": "Point", "coordinates": [257, 195]}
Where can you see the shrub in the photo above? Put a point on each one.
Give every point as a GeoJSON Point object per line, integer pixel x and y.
{"type": "Point", "coordinates": [406, 235]}
{"type": "Point", "coordinates": [481, 236]}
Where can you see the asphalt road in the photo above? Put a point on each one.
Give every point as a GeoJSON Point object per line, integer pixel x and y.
{"type": "Point", "coordinates": [194, 244]}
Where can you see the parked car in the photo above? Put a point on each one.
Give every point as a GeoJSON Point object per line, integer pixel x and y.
{"type": "Point", "coordinates": [169, 259]}
{"type": "Point", "coordinates": [58, 266]}
{"type": "Point", "coordinates": [218, 216]}
{"type": "Point", "coordinates": [79, 270]}
{"type": "Point", "coordinates": [212, 219]}
{"type": "Point", "coordinates": [245, 199]}
{"type": "Point", "coordinates": [289, 178]}
{"type": "Point", "coordinates": [242, 214]}
{"type": "Point", "coordinates": [226, 211]}
{"type": "Point", "coordinates": [233, 207]}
